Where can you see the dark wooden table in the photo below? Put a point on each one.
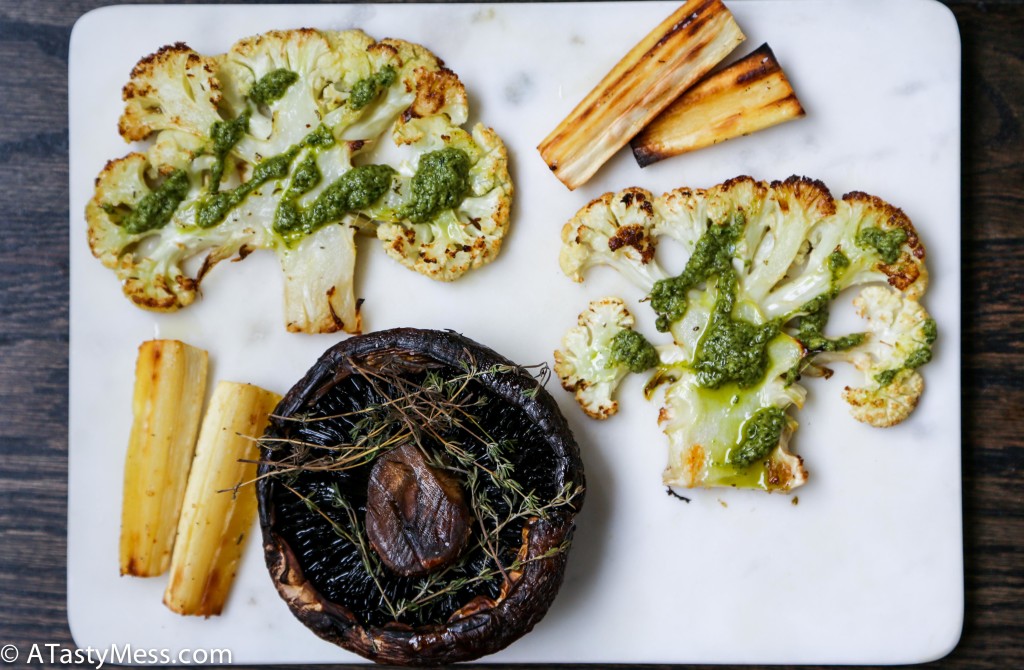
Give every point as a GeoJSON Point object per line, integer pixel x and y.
{"type": "Point", "coordinates": [34, 326]}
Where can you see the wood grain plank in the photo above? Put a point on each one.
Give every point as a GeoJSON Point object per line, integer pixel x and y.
{"type": "Point", "coordinates": [993, 371]}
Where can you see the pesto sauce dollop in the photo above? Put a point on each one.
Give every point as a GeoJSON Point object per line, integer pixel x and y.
{"type": "Point", "coordinates": [367, 89]}
{"type": "Point", "coordinates": [441, 182]}
{"type": "Point", "coordinates": [157, 207]}
{"type": "Point", "coordinates": [760, 433]}
{"type": "Point", "coordinates": [321, 138]}
{"type": "Point", "coordinates": [272, 86]}
{"type": "Point", "coordinates": [732, 350]}
{"type": "Point", "coordinates": [888, 243]}
{"type": "Point", "coordinates": [632, 349]}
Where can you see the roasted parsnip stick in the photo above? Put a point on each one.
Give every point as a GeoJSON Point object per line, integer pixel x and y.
{"type": "Point", "coordinates": [749, 95]}
{"type": "Point", "coordinates": [220, 503]}
{"type": "Point", "coordinates": [670, 59]}
{"type": "Point", "coordinates": [170, 387]}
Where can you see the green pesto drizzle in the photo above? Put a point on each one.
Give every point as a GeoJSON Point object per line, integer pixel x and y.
{"type": "Point", "coordinates": [632, 349]}
{"type": "Point", "coordinates": [916, 359]}
{"type": "Point", "coordinates": [357, 189]}
{"type": "Point", "coordinates": [213, 207]}
{"type": "Point", "coordinates": [307, 175]}
{"type": "Point", "coordinates": [888, 243]}
{"type": "Point", "coordinates": [815, 313]}
{"type": "Point", "coordinates": [288, 216]}
{"type": "Point", "coordinates": [759, 435]}
{"type": "Point", "coordinates": [441, 182]}
{"type": "Point", "coordinates": [367, 89]}
{"type": "Point", "coordinates": [814, 317]}
{"type": "Point", "coordinates": [711, 256]}
{"type": "Point", "coordinates": [225, 135]}
{"type": "Point", "coordinates": [811, 330]}
{"type": "Point", "coordinates": [157, 207]}
{"type": "Point", "coordinates": [321, 138]}
{"type": "Point", "coordinates": [272, 86]}
{"type": "Point", "coordinates": [732, 350]}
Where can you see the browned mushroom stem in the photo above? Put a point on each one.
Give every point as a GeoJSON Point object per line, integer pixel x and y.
{"type": "Point", "coordinates": [416, 516]}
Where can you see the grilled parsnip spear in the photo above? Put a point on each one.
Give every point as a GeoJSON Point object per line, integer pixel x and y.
{"type": "Point", "coordinates": [670, 59]}
{"type": "Point", "coordinates": [219, 508]}
{"type": "Point", "coordinates": [750, 95]}
{"type": "Point", "coordinates": [170, 387]}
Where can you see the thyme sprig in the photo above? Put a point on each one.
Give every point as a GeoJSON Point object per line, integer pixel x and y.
{"type": "Point", "coordinates": [412, 412]}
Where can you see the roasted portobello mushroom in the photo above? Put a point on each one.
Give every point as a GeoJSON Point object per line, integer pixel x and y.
{"type": "Point", "coordinates": [417, 497]}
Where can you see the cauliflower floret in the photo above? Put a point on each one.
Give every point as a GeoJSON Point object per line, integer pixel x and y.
{"type": "Point", "coordinates": [616, 230]}
{"type": "Point", "coordinates": [279, 78]}
{"type": "Point", "coordinates": [120, 187]}
{"type": "Point", "coordinates": [172, 88]}
{"type": "Point", "coordinates": [888, 405]}
{"type": "Point", "coordinates": [132, 199]}
{"type": "Point", "coordinates": [135, 228]}
{"type": "Point", "coordinates": [899, 340]}
{"type": "Point", "coordinates": [748, 312]}
{"type": "Point", "coordinates": [462, 224]}
{"type": "Point", "coordinates": [845, 252]}
{"type": "Point", "coordinates": [180, 150]}
{"type": "Point", "coordinates": [777, 239]}
{"type": "Point", "coordinates": [684, 212]}
{"type": "Point", "coordinates": [258, 149]}
{"type": "Point", "coordinates": [585, 363]}
{"type": "Point", "coordinates": [882, 245]}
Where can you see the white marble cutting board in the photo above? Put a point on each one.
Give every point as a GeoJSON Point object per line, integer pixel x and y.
{"type": "Point", "coordinates": [867, 568]}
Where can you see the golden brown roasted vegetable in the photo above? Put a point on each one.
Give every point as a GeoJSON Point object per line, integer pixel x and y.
{"type": "Point", "coordinates": [170, 386]}
{"type": "Point", "coordinates": [670, 59]}
{"type": "Point", "coordinates": [218, 513]}
{"type": "Point", "coordinates": [750, 95]}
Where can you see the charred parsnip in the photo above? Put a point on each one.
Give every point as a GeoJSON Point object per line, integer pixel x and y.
{"type": "Point", "coordinates": [670, 59]}
{"type": "Point", "coordinates": [220, 505]}
{"type": "Point", "coordinates": [170, 386]}
{"type": "Point", "coordinates": [750, 95]}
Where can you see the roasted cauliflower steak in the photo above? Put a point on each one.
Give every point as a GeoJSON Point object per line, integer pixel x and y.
{"type": "Point", "coordinates": [745, 317]}
{"type": "Point", "coordinates": [271, 145]}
